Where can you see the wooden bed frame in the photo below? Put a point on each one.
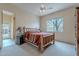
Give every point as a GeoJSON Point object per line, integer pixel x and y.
{"type": "Point", "coordinates": [48, 39]}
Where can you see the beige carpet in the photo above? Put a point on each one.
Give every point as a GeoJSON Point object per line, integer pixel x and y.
{"type": "Point", "coordinates": [58, 49]}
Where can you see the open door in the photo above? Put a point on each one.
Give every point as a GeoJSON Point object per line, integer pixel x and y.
{"type": "Point", "coordinates": [0, 29]}
{"type": "Point", "coordinates": [77, 31]}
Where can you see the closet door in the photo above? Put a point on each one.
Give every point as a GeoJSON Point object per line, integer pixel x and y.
{"type": "Point", "coordinates": [0, 30]}
{"type": "Point", "coordinates": [77, 13]}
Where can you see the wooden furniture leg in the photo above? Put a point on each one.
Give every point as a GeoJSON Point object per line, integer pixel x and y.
{"type": "Point", "coordinates": [41, 47]}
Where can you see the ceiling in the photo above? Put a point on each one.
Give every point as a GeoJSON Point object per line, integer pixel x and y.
{"type": "Point", "coordinates": [34, 8]}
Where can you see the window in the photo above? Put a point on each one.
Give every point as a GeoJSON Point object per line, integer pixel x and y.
{"type": "Point", "coordinates": [55, 25]}
{"type": "Point", "coordinates": [6, 31]}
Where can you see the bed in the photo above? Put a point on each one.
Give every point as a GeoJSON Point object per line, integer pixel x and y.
{"type": "Point", "coordinates": [38, 39]}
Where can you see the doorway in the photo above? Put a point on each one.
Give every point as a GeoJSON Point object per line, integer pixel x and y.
{"type": "Point", "coordinates": [8, 28]}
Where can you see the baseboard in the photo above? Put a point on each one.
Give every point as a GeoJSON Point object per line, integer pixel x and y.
{"type": "Point", "coordinates": [66, 42]}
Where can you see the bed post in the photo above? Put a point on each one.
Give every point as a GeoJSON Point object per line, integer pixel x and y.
{"type": "Point", "coordinates": [53, 38]}
{"type": "Point", "coordinates": [41, 46]}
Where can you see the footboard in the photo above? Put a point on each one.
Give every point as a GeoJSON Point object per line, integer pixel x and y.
{"type": "Point", "coordinates": [46, 41]}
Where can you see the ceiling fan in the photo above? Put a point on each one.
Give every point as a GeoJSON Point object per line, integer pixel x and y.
{"type": "Point", "coordinates": [43, 8]}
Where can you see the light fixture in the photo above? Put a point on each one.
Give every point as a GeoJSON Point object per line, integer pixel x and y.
{"type": "Point", "coordinates": [42, 8]}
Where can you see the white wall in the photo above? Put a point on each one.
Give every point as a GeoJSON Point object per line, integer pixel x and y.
{"type": "Point", "coordinates": [68, 35]}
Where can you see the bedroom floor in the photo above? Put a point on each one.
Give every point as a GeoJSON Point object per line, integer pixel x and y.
{"type": "Point", "coordinates": [58, 49]}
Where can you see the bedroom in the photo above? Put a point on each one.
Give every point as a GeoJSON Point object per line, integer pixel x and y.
{"type": "Point", "coordinates": [29, 15]}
